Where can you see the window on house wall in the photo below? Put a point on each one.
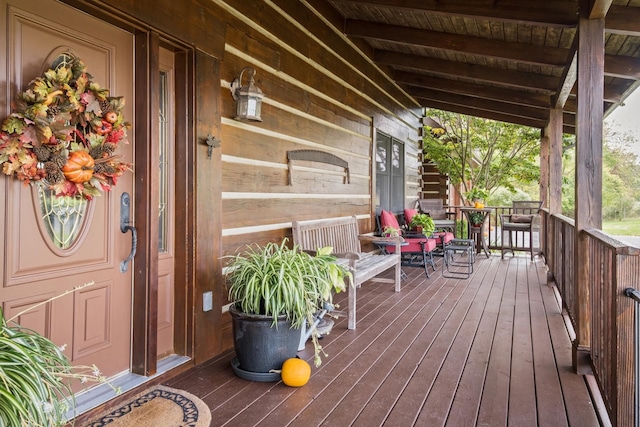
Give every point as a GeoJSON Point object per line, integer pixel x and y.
{"type": "Point", "coordinates": [389, 174]}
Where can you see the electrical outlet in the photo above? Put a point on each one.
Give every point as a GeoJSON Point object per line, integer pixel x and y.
{"type": "Point", "coordinates": [207, 301]}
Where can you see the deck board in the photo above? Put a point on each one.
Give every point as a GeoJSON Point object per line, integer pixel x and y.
{"type": "Point", "coordinates": [464, 409]}
{"type": "Point", "coordinates": [522, 399]}
{"type": "Point", "coordinates": [491, 350]}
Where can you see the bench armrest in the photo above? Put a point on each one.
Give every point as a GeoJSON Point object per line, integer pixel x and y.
{"type": "Point", "coordinates": [349, 255]}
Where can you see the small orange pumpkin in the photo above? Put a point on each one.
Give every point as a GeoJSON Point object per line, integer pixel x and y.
{"type": "Point", "coordinates": [79, 167]}
{"type": "Point", "coordinates": [295, 372]}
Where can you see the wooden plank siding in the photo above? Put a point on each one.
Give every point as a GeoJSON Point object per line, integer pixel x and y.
{"type": "Point", "coordinates": [335, 126]}
{"type": "Point", "coordinates": [490, 350]}
{"type": "Point", "coordinates": [315, 98]}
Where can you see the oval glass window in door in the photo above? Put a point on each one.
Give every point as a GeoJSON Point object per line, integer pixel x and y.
{"type": "Point", "coordinates": [63, 217]}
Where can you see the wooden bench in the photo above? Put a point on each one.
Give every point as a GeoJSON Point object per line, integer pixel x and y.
{"type": "Point", "coordinates": [342, 235]}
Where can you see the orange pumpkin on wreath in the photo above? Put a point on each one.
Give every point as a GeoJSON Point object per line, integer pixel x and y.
{"type": "Point", "coordinates": [79, 167]}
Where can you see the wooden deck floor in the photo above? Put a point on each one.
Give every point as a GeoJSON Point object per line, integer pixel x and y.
{"type": "Point", "coordinates": [491, 350]}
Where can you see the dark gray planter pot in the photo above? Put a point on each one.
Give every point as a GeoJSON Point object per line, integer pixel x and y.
{"type": "Point", "coordinates": [261, 347]}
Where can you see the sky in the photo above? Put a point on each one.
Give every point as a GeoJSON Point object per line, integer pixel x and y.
{"type": "Point", "coordinates": [626, 119]}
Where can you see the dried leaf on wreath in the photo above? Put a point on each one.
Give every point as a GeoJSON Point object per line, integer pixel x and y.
{"type": "Point", "coordinates": [117, 103]}
{"type": "Point", "coordinates": [28, 136]}
{"type": "Point", "coordinates": [12, 147]}
{"type": "Point", "coordinates": [44, 134]}
{"type": "Point", "coordinates": [81, 83]}
{"type": "Point", "coordinates": [62, 131]}
{"type": "Point", "coordinates": [37, 110]}
{"type": "Point", "coordinates": [13, 124]}
{"type": "Point", "coordinates": [38, 92]}
{"type": "Point", "coordinates": [92, 104]}
{"type": "Point", "coordinates": [73, 100]}
{"type": "Point", "coordinates": [9, 167]}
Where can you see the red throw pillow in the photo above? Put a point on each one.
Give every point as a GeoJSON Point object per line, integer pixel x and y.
{"type": "Point", "coordinates": [387, 219]}
{"type": "Point", "coordinates": [408, 214]}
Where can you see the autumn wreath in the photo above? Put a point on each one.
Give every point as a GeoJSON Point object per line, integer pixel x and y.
{"type": "Point", "coordinates": [63, 133]}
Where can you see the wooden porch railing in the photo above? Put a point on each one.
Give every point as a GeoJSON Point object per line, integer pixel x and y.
{"type": "Point", "coordinates": [494, 238]}
{"type": "Point", "coordinates": [613, 267]}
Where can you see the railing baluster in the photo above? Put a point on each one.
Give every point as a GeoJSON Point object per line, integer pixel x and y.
{"type": "Point", "coordinates": [635, 295]}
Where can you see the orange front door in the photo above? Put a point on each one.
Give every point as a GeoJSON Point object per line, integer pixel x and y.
{"type": "Point", "coordinates": [95, 322]}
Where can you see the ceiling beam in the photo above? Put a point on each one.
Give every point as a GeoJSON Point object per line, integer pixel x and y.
{"type": "Point", "coordinates": [625, 67]}
{"type": "Point", "coordinates": [549, 14]}
{"type": "Point", "coordinates": [623, 20]}
{"type": "Point", "coordinates": [508, 118]}
{"type": "Point", "coordinates": [613, 92]}
{"type": "Point", "coordinates": [597, 8]}
{"type": "Point", "coordinates": [473, 89]}
{"type": "Point", "coordinates": [569, 123]}
{"type": "Point", "coordinates": [481, 104]}
{"type": "Point", "coordinates": [517, 52]}
{"type": "Point", "coordinates": [470, 71]}
{"type": "Point", "coordinates": [569, 77]}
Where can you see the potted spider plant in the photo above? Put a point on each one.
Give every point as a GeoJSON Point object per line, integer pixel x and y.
{"type": "Point", "coordinates": [36, 377]}
{"type": "Point", "coordinates": [274, 291]}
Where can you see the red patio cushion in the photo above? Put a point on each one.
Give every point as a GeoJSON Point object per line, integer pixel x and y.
{"type": "Point", "coordinates": [447, 236]}
{"type": "Point", "coordinates": [409, 214]}
{"type": "Point", "coordinates": [387, 219]}
{"type": "Point", "coordinates": [415, 245]}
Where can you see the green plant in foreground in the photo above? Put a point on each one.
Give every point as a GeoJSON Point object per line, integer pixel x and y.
{"type": "Point", "coordinates": [275, 280]}
{"type": "Point", "coordinates": [424, 221]}
{"type": "Point", "coordinates": [36, 377]}
{"type": "Point", "coordinates": [477, 194]}
{"type": "Point", "coordinates": [389, 231]}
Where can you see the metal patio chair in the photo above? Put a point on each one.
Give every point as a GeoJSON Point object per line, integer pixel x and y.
{"type": "Point", "coordinates": [520, 221]}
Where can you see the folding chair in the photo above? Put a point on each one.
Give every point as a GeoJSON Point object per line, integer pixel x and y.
{"type": "Point", "coordinates": [461, 268]}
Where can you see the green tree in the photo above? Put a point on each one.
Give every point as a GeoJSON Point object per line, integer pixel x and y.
{"type": "Point", "coordinates": [620, 178]}
{"type": "Point", "coordinates": [477, 152]}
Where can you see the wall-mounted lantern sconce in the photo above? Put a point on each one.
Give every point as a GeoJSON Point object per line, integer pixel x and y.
{"type": "Point", "coordinates": [249, 97]}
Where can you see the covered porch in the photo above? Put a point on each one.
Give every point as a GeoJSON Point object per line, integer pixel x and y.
{"type": "Point", "coordinates": [489, 350]}
{"type": "Point", "coordinates": [343, 76]}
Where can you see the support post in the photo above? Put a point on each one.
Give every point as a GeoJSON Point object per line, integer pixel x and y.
{"type": "Point", "coordinates": [588, 178]}
{"type": "Point", "coordinates": [553, 132]}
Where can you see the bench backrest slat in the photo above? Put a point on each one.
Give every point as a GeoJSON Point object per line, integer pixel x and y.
{"type": "Point", "coordinates": [339, 233]}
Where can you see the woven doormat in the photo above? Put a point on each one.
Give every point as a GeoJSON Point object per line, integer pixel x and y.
{"type": "Point", "coordinates": [158, 406]}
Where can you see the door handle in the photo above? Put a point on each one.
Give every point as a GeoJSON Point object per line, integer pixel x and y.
{"type": "Point", "coordinates": [125, 225]}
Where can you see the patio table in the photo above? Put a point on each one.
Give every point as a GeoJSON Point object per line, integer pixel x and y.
{"type": "Point", "coordinates": [477, 232]}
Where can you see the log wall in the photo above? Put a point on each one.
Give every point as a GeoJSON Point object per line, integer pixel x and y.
{"type": "Point", "coordinates": [321, 92]}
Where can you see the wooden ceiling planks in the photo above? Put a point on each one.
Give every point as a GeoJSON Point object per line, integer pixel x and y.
{"type": "Point", "coordinates": [475, 47]}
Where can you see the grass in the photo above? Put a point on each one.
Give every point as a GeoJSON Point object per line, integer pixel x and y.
{"type": "Point", "coordinates": [625, 227]}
